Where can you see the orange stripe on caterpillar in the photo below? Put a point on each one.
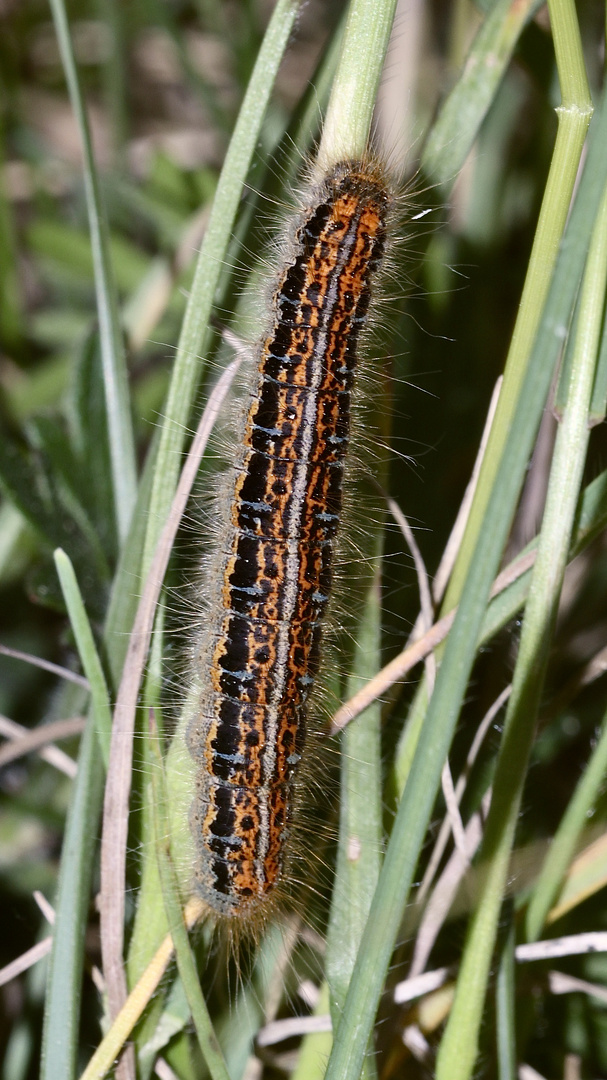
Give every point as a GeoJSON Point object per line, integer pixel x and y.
{"type": "Point", "coordinates": [261, 650]}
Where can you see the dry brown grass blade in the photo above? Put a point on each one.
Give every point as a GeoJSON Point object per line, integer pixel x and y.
{"type": "Point", "coordinates": [51, 754]}
{"type": "Point", "coordinates": [445, 829]}
{"type": "Point", "coordinates": [439, 904]}
{"type": "Point", "coordinates": [25, 961]}
{"type": "Point", "coordinates": [450, 553]}
{"type": "Point", "coordinates": [39, 737]}
{"type": "Point", "coordinates": [413, 654]}
{"type": "Point", "coordinates": [46, 665]}
{"type": "Point", "coordinates": [423, 623]}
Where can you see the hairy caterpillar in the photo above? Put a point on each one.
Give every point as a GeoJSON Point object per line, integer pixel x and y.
{"type": "Point", "coordinates": [271, 581]}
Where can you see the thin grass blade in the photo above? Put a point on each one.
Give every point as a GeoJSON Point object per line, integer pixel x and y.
{"type": "Point", "coordinates": [87, 651]}
{"type": "Point", "coordinates": [188, 367]}
{"type": "Point", "coordinates": [120, 428]}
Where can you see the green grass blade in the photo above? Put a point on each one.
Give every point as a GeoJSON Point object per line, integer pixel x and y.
{"type": "Point", "coordinates": [315, 1047]}
{"type": "Point", "coordinates": [598, 405]}
{"type": "Point", "coordinates": [60, 1028]}
{"type": "Point", "coordinates": [360, 826]}
{"type": "Point", "coordinates": [124, 596]}
{"type": "Point", "coordinates": [592, 519]}
{"type": "Point", "coordinates": [86, 649]}
{"type": "Point", "coordinates": [112, 350]}
{"type": "Point", "coordinates": [62, 1015]}
{"type": "Point", "coordinates": [461, 115]}
{"type": "Point", "coordinates": [348, 121]}
{"type": "Point", "coordinates": [237, 1029]}
{"type": "Point", "coordinates": [573, 122]}
{"type": "Point", "coordinates": [188, 366]}
{"type": "Point", "coordinates": [115, 88]}
{"type": "Point", "coordinates": [573, 80]}
{"type": "Point", "coordinates": [563, 846]}
{"type": "Point", "coordinates": [150, 922]}
{"type": "Point", "coordinates": [505, 1011]}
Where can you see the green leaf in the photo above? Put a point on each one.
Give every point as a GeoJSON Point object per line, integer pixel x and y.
{"type": "Point", "coordinates": [64, 987]}
{"type": "Point", "coordinates": [89, 436]}
{"type": "Point", "coordinates": [462, 113]}
{"type": "Point", "coordinates": [188, 369]}
{"type": "Point", "coordinates": [88, 653]}
{"type": "Point", "coordinates": [112, 349]}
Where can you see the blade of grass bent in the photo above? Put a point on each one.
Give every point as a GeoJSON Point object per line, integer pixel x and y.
{"type": "Point", "coordinates": [122, 446]}
{"type": "Point", "coordinates": [188, 366]}
{"type": "Point", "coordinates": [418, 799]}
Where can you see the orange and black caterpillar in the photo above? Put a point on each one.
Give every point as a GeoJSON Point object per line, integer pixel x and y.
{"type": "Point", "coordinates": [260, 650]}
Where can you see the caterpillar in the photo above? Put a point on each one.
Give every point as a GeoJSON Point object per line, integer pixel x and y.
{"type": "Point", "coordinates": [270, 584]}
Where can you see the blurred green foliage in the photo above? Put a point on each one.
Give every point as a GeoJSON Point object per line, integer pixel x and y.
{"type": "Point", "coordinates": [163, 83]}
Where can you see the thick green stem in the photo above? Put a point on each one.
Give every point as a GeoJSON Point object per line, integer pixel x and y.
{"type": "Point", "coordinates": [348, 121]}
